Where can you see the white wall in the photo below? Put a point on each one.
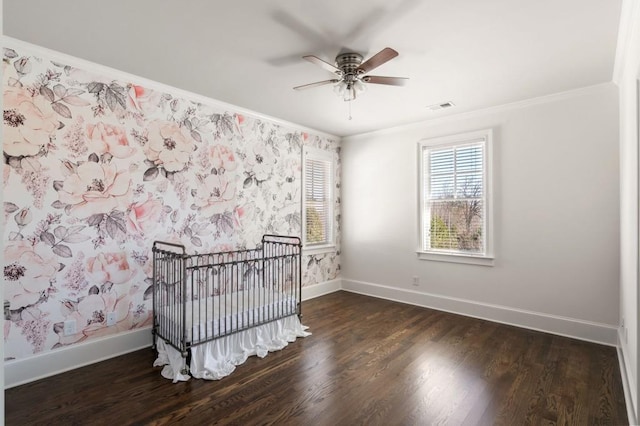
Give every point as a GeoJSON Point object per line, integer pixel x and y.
{"type": "Point", "coordinates": [556, 203]}
{"type": "Point", "coordinates": [626, 75]}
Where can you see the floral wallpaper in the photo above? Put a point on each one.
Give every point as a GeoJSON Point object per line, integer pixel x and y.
{"type": "Point", "coordinates": [96, 169]}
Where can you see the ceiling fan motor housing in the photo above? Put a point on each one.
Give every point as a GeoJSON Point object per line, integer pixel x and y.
{"type": "Point", "coordinates": [348, 63]}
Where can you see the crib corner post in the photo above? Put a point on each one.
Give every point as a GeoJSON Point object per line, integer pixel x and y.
{"type": "Point", "coordinates": [185, 358]}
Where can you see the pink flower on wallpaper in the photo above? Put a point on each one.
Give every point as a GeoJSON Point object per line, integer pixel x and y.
{"type": "Point", "coordinates": [245, 214]}
{"type": "Point", "coordinates": [144, 100]}
{"type": "Point", "coordinates": [29, 122]}
{"type": "Point", "coordinates": [93, 188]}
{"type": "Point", "coordinates": [169, 145]}
{"type": "Point", "coordinates": [106, 138]}
{"type": "Point", "coordinates": [109, 267]}
{"type": "Point", "coordinates": [214, 194]}
{"type": "Point", "coordinates": [222, 157]}
{"type": "Point", "coordinates": [143, 216]}
{"type": "Point", "coordinates": [260, 161]}
{"type": "Point", "coordinates": [28, 271]}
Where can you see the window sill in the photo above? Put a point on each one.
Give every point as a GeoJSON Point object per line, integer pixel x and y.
{"type": "Point", "coordinates": [310, 250]}
{"type": "Point", "coordinates": [456, 258]}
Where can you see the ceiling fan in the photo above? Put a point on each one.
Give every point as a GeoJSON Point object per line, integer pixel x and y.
{"type": "Point", "coordinates": [350, 71]}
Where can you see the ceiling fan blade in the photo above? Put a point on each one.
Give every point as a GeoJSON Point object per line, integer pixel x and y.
{"type": "Point", "coordinates": [376, 60]}
{"type": "Point", "coordinates": [326, 65]}
{"type": "Point", "coordinates": [316, 84]}
{"type": "Point", "coordinates": [391, 81]}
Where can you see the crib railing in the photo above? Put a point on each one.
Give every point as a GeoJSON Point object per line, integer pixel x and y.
{"type": "Point", "coordinates": [201, 297]}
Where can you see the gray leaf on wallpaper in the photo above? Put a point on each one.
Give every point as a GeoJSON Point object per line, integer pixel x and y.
{"type": "Point", "coordinates": [75, 100]}
{"type": "Point", "coordinates": [58, 329]}
{"type": "Point", "coordinates": [106, 158]}
{"type": "Point", "coordinates": [110, 97]}
{"type": "Point", "coordinates": [62, 250]}
{"type": "Point", "coordinates": [30, 164]}
{"type": "Point", "coordinates": [59, 90]}
{"type": "Point", "coordinates": [10, 207]}
{"type": "Point", "coordinates": [95, 87]}
{"type": "Point", "coordinates": [47, 93]}
{"type": "Point", "coordinates": [61, 109]}
{"type": "Point", "coordinates": [114, 226]}
{"type": "Point", "coordinates": [148, 293]}
{"type": "Point", "coordinates": [74, 92]}
{"type": "Point", "coordinates": [118, 89]}
{"type": "Point", "coordinates": [23, 66]}
{"type": "Point", "coordinates": [10, 53]}
{"type": "Point", "coordinates": [14, 162]}
{"type": "Point", "coordinates": [96, 219]}
{"type": "Point", "coordinates": [71, 235]}
{"type": "Point", "coordinates": [60, 232]}
{"type": "Point", "coordinates": [150, 174]}
{"type": "Point", "coordinates": [48, 238]}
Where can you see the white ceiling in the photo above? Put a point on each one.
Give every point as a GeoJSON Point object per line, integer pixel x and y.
{"type": "Point", "coordinates": [248, 52]}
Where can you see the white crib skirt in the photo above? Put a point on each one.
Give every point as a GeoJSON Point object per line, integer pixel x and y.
{"type": "Point", "coordinates": [218, 358]}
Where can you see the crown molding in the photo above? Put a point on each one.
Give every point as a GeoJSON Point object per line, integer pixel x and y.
{"type": "Point", "coordinates": [151, 84]}
{"type": "Point", "coordinates": [540, 100]}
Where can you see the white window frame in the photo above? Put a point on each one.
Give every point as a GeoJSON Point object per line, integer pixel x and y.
{"type": "Point", "coordinates": [487, 258]}
{"type": "Point", "coordinates": [320, 155]}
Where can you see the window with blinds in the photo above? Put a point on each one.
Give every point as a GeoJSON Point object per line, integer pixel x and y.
{"type": "Point", "coordinates": [454, 190]}
{"type": "Point", "coordinates": [318, 198]}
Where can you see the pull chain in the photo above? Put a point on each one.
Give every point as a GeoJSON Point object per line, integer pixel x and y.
{"type": "Point", "coordinates": [350, 110]}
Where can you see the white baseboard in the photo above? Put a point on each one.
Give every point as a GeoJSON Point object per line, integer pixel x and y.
{"type": "Point", "coordinates": [570, 327]}
{"type": "Point", "coordinates": [626, 383]}
{"type": "Point", "coordinates": [320, 289]}
{"type": "Point", "coordinates": [64, 359]}
{"type": "Point", "coordinates": [57, 361]}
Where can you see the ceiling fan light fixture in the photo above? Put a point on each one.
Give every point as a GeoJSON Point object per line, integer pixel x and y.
{"type": "Point", "coordinates": [359, 86]}
{"type": "Point", "coordinates": [349, 93]}
{"type": "Point", "coordinates": [340, 88]}
{"type": "Point", "coordinates": [350, 71]}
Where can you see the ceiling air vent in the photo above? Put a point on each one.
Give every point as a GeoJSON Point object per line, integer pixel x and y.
{"type": "Point", "coordinates": [443, 105]}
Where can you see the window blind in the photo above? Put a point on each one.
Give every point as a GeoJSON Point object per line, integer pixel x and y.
{"type": "Point", "coordinates": [318, 198]}
{"type": "Point", "coordinates": [454, 198]}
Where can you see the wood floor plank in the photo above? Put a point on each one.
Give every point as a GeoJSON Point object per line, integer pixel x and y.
{"type": "Point", "coordinates": [370, 362]}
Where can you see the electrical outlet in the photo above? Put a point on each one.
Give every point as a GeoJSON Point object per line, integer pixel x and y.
{"type": "Point", "coordinates": [111, 318]}
{"type": "Point", "coordinates": [69, 327]}
{"type": "Point", "coordinates": [416, 281]}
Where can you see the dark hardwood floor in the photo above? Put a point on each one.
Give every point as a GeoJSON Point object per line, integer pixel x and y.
{"type": "Point", "coordinates": [368, 362]}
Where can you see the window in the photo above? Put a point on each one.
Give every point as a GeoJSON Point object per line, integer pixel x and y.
{"type": "Point", "coordinates": [455, 198]}
{"type": "Point", "coordinates": [319, 172]}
